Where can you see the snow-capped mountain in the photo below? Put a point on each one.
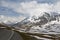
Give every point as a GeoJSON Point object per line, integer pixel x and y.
{"type": "Point", "coordinates": [41, 23]}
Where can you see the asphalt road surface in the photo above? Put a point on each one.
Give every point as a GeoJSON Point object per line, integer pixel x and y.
{"type": "Point", "coordinates": [9, 35]}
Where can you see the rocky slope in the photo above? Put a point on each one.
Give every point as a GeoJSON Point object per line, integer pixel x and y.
{"type": "Point", "coordinates": [47, 23]}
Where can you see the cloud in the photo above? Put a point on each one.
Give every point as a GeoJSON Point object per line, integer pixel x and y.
{"type": "Point", "coordinates": [32, 7]}
{"type": "Point", "coordinates": [9, 20]}
{"type": "Point", "coordinates": [8, 4]}
{"type": "Point", "coordinates": [35, 8]}
{"type": "Point", "coordinates": [57, 7]}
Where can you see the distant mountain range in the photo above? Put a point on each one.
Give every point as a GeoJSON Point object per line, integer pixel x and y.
{"type": "Point", "coordinates": [40, 21]}
{"type": "Point", "coordinates": [48, 21]}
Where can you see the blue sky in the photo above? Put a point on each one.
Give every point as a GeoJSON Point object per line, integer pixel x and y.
{"type": "Point", "coordinates": [7, 12]}
{"type": "Point", "coordinates": [27, 8]}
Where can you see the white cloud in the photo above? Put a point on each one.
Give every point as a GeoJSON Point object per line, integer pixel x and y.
{"type": "Point", "coordinates": [57, 7]}
{"type": "Point", "coordinates": [32, 8]}
{"type": "Point", "coordinates": [9, 20]}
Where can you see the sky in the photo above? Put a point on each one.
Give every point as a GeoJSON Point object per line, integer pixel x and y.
{"type": "Point", "coordinates": [13, 11]}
